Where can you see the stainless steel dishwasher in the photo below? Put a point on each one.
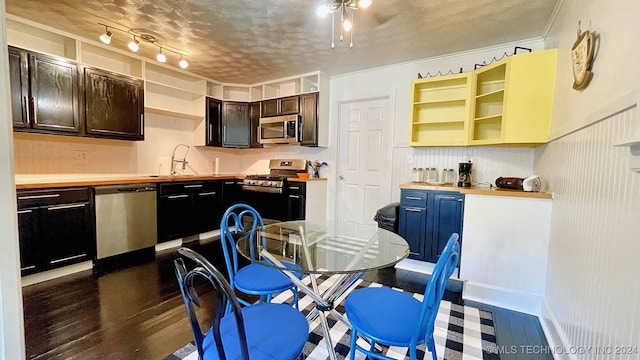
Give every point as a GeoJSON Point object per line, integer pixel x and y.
{"type": "Point", "coordinates": [125, 218]}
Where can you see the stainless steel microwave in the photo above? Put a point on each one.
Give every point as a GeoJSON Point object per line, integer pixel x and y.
{"type": "Point", "coordinates": [279, 129]}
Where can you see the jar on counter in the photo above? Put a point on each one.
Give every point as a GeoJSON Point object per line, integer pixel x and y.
{"type": "Point", "coordinates": [431, 175]}
{"type": "Point", "coordinates": [417, 175]}
{"type": "Point", "coordinates": [449, 176]}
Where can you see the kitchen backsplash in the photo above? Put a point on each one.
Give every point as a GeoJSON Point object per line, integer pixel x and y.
{"type": "Point", "coordinates": [489, 163]}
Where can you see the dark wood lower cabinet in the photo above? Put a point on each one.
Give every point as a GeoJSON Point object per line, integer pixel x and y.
{"type": "Point", "coordinates": [56, 228]}
{"type": "Point", "coordinates": [188, 208]}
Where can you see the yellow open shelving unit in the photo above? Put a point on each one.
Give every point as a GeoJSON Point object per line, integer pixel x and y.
{"type": "Point", "coordinates": [508, 102]}
{"type": "Point", "coordinates": [440, 110]}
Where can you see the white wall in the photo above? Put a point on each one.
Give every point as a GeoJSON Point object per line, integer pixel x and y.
{"type": "Point", "coordinates": [11, 324]}
{"type": "Point", "coordinates": [593, 288]}
{"type": "Point", "coordinates": [395, 81]}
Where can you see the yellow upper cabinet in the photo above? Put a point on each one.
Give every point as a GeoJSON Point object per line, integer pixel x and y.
{"type": "Point", "coordinates": [440, 110]}
{"type": "Point", "coordinates": [506, 102]}
{"type": "Point", "coordinates": [512, 100]}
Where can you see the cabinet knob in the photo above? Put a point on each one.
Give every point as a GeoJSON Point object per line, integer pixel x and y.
{"type": "Point", "coordinates": [341, 177]}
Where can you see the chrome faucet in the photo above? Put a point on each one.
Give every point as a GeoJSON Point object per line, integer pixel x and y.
{"type": "Point", "coordinates": [176, 160]}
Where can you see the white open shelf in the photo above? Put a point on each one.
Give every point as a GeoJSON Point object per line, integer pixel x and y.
{"type": "Point", "coordinates": [32, 38]}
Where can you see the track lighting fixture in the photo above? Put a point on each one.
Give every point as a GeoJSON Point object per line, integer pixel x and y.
{"type": "Point", "coordinates": [183, 63]}
{"type": "Point", "coordinates": [147, 37]}
{"type": "Point", "coordinates": [161, 57]}
{"type": "Point", "coordinates": [134, 45]}
{"type": "Point", "coordinates": [106, 37]}
{"type": "Point", "coordinates": [346, 10]}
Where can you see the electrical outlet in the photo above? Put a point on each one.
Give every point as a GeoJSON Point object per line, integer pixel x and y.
{"type": "Point", "coordinates": [80, 155]}
{"type": "Point", "coordinates": [410, 159]}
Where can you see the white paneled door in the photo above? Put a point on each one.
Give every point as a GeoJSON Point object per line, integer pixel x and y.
{"type": "Point", "coordinates": [364, 154]}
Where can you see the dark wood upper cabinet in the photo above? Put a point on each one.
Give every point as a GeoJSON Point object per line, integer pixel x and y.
{"type": "Point", "coordinates": [309, 119]}
{"type": "Point", "coordinates": [54, 94]}
{"type": "Point", "coordinates": [254, 116]}
{"type": "Point", "coordinates": [214, 122]}
{"type": "Point", "coordinates": [44, 93]}
{"type": "Point", "coordinates": [113, 105]}
{"type": "Point", "coordinates": [235, 124]}
{"type": "Point", "coordinates": [19, 79]}
{"type": "Point", "coordinates": [281, 106]}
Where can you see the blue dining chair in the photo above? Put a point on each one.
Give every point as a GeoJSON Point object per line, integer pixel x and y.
{"type": "Point", "coordinates": [393, 318]}
{"type": "Point", "coordinates": [252, 279]}
{"type": "Point", "coordinates": [263, 331]}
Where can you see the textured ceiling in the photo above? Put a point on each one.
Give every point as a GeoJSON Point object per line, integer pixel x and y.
{"type": "Point", "coordinates": [250, 41]}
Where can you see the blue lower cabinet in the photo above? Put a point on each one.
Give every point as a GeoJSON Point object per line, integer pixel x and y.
{"type": "Point", "coordinates": [412, 227]}
{"type": "Point", "coordinates": [447, 210]}
{"type": "Point", "coordinates": [427, 219]}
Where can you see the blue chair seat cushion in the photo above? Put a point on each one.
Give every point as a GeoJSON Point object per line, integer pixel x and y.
{"type": "Point", "coordinates": [259, 279]}
{"type": "Point", "coordinates": [262, 322]}
{"type": "Point", "coordinates": [386, 315]}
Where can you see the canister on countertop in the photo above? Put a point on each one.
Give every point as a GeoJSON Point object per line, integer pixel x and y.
{"type": "Point", "coordinates": [417, 175]}
{"type": "Point", "coordinates": [431, 175]}
{"type": "Point", "coordinates": [449, 176]}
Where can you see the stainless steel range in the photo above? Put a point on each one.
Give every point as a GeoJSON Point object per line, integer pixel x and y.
{"type": "Point", "coordinates": [276, 181]}
{"type": "Point", "coordinates": [269, 193]}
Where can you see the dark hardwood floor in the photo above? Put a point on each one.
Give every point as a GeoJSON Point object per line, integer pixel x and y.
{"type": "Point", "coordinates": [136, 312]}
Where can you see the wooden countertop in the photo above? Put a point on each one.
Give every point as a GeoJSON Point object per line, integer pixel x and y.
{"type": "Point", "coordinates": [68, 180]}
{"type": "Point", "coordinates": [478, 190]}
{"type": "Point", "coordinates": [57, 181]}
{"type": "Point", "coordinates": [296, 179]}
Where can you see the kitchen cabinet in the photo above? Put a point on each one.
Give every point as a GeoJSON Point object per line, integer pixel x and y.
{"type": "Point", "coordinates": [235, 124]}
{"type": "Point", "coordinates": [309, 119]}
{"type": "Point", "coordinates": [48, 91]}
{"type": "Point", "coordinates": [254, 123]}
{"type": "Point", "coordinates": [232, 193]}
{"type": "Point", "coordinates": [296, 201]}
{"type": "Point", "coordinates": [306, 200]}
{"type": "Point", "coordinates": [113, 105]}
{"type": "Point", "coordinates": [512, 100]}
{"type": "Point", "coordinates": [227, 124]}
{"type": "Point", "coordinates": [427, 220]}
{"type": "Point", "coordinates": [55, 228]}
{"type": "Point", "coordinates": [412, 222]}
{"type": "Point", "coordinates": [19, 87]}
{"type": "Point", "coordinates": [213, 122]}
{"type": "Point", "coordinates": [507, 102]}
{"type": "Point", "coordinates": [188, 208]}
{"type": "Point", "coordinates": [281, 106]}
{"type": "Point", "coordinates": [440, 110]}
{"type": "Point", "coordinates": [447, 209]}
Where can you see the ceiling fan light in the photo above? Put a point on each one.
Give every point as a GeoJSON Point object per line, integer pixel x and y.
{"type": "Point", "coordinates": [134, 45]}
{"type": "Point", "coordinates": [364, 3]}
{"type": "Point", "coordinates": [322, 11]}
{"type": "Point", "coordinates": [161, 57]}
{"type": "Point", "coordinates": [106, 37]}
{"type": "Point", "coordinates": [183, 63]}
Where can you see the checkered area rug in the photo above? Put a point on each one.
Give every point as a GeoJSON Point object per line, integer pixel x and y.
{"type": "Point", "coordinates": [461, 332]}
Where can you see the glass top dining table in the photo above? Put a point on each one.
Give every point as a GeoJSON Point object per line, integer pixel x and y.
{"type": "Point", "coordinates": [325, 248]}
{"type": "Point", "coordinates": [345, 250]}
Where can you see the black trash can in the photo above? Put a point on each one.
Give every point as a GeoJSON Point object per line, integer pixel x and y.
{"type": "Point", "coordinates": [387, 217]}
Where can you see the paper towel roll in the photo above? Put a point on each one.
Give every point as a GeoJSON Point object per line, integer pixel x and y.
{"type": "Point", "coordinates": [216, 170]}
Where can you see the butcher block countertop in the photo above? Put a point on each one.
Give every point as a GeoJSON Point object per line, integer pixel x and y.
{"type": "Point", "coordinates": [478, 190]}
{"type": "Point", "coordinates": [305, 180]}
{"type": "Point", "coordinates": [71, 180]}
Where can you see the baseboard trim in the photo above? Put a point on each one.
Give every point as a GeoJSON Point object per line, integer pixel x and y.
{"type": "Point", "coordinates": [501, 297]}
{"type": "Point", "coordinates": [56, 273]}
{"type": "Point", "coordinates": [167, 245]}
{"type": "Point", "coordinates": [556, 337]}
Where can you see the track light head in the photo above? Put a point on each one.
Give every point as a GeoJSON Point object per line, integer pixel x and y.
{"type": "Point", "coordinates": [161, 57]}
{"type": "Point", "coordinates": [106, 37]}
{"type": "Point", "coordinates": [134, 45]}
